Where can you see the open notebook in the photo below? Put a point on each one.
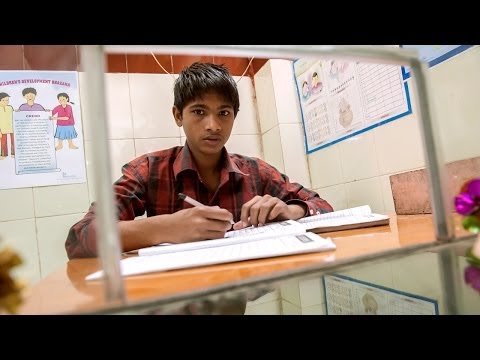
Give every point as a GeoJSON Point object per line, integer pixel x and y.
{"type": "Point", "coordinates": [214, 252]}
{"type": "Point", "coordinates": [353, 218]}
{"type": "Point", "coordinates": [274, 239]}
{"type": "Point", "coordinates": [288, 227]}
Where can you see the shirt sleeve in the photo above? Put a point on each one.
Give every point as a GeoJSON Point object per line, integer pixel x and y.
{"type": "Point", "coordinates": [278, 185]}
{"type": "Point", "coordinates": [130, 200]}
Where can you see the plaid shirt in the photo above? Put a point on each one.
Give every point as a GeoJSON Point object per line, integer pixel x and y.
{"type": "Point", "coordinates": [151, 184]}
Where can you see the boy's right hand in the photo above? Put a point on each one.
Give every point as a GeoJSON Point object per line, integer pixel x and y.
{"type": "Point", "coordinates": [199, 223]}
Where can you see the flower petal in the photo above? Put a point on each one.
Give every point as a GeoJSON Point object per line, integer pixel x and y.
{"type": "Point", "coordinates": [464, 203]}
{"type": "Point", "coordinates": [472, 277]}
{"type": "Point", "coordinates": [474, 188]}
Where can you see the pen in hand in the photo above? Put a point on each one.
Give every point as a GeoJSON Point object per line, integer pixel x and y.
{"type": "Point", "coordinates": [194, 202]}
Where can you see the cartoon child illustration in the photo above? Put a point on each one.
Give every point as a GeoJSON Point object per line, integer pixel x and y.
{"type": "Point", "coordinates": [305, 90]}
{"type": "Point", "coordinates": [6, 125]}
{"type": "Point", "coordinates": [65, 121]}
{"type": "Point", "coordinates": [345, 116]}
{"type": "Point", "coordinates": [30, 94]}
{"type": "Point", "coordinates": [317, 85]}
{"type": "Point", "coordinates": [334, 70]}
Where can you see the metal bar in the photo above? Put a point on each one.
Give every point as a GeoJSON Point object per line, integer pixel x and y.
{"type": "Point", "coordinates": [435, 165]}
{"type": "Point", "coordinates": [367, 53]}
{"type": "Point", "coordinates": [451, 280]}
{"type": "Point", "coordinates": [93, 58]}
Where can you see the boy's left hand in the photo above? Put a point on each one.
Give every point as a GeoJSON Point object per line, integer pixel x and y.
{"type": "Point", "coordinates": [263, 209]}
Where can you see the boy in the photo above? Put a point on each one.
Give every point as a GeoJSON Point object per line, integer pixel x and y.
{"type": "Point", "coordinates": [247, 190]}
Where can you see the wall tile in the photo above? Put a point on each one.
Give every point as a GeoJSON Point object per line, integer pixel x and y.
{"type": "Point", "coordinates": [286, 96]}
{"type": "Point", "coordinates": [144, 146]}
{"type": "Point", "coordinates": [268, 297]}
{"type": "Point", "coordinates": [50, 57]}
{"type": "Point", "coordinates": [315, 310]}
{"type": "Point", "coordinates": [452, 84]}
{"type": "Point", "coordinates": [152, 101]}
{"type": "Point", "coordinates": [290, 309]}
{"type": "Point", "coordinates": [20, 204]}
{"type": "Point", "coordinates": [311, 292]}
{"type": "Point", "coordinates": [399, 145]}
{"type": "Point", "coordinates": [266, 104]}
{"type": "Point", "coordinates": [365, 192]}
{"type": "Point", "coordinates": [290, 292]}
{"type": "Point", "coordinates": [52, 233]}
{"type": "Point", "coordinates": [272, 149]}
{"type": "Point", "coordinates": [248, 145]}
{"type": "Point", "coordinates": [246, 122]}
{"type": "Point", "coordinates": [325, 167]}
{"type": "Point", "coordinates": [377, 274]}
{"type": "Point", "coordinates": [21, 236]}
{"type": "Point", "coordinates": [335, 196]}
{"type": "Point", "coordinates": [418, 274]}
{"type": "Point", "coordinates": [11, 57]}
{"type": "Point", "coordinates": [61, 199]}
{"type": "Point", "coordinates": [119, 110]}
{"type": "Point", "coordinates": [268, 308]}
{"type": "Point", "coordinates": [387, 194]}
{"type": "Point", "coordinates": [358, 157]}
{"type": "Point", "coordinates": [121, 152]}
{"type": "Point", "coordinates": [294, 157]}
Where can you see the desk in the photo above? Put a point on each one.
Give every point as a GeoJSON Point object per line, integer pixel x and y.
{"type": "Point", "coordinates": [66, 291]}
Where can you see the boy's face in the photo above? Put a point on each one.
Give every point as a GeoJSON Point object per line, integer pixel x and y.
{"type": "Point", "coordinates": [29, 96]}
{"type": "Point", "coordinates": [207, 123]}
{"type": "Point", "coordinates": [4, 101]}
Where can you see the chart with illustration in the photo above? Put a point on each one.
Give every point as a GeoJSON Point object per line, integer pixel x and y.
{"type": "Point", "coordinates": [340, 99]}
{"type": "Point", "coordinates": [347, 296]}
{"type": "Point", "coordinates": [40, 129]}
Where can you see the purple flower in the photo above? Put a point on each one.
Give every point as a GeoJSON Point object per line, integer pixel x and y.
{"type": "Point", "coordinates": [472, 277]}
{"type": "Point", "coordinates": [465, 203]}
{"type": "Point", "coordinates": [474, 189]}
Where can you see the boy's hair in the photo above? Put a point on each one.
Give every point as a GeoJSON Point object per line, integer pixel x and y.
{"type": "Point", "coordinates": [28, 91]}
{"type": "Point", "coordinates": [200, 78]}
{"type": "Point", "coordinates": [3, 95]}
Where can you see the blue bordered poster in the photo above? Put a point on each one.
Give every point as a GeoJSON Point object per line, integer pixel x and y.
{"type": "Point", "coordinates": [347, 296]}
{"type": "Point", "coordinates": [340, 99]}
{"type": "Point", "coordinates": [40, 129]}
{"type": "Point", "coordinates": [434, 54]}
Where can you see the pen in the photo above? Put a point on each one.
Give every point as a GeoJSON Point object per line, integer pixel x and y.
{"type": "Point", "coordinates": [194, 202]}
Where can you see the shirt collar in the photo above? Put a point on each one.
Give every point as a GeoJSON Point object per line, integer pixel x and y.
{"type": "Point", "coordinates": [184, 161]}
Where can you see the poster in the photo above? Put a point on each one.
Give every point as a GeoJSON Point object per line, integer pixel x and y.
{"type": "Point", "coordinates": [340, 99]}
{"type": "Point", "coordinates": [41, 136]}
{"type": "Point", "coordinates": [434, 54]}
{"type": "Point", "coordinates": [347, 296]}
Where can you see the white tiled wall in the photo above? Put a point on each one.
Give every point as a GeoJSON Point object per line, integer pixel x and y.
{"type": "Point", "coordinates": [356, 171]}
{"type": "Point", "coordinates": [139, 107]}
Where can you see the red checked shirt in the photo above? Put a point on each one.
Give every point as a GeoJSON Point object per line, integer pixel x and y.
{"type": "Point", "coordinates": [151, 184]}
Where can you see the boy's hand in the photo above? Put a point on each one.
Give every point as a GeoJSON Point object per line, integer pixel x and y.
{"type": "Point", "coordinates": [200, 223]}
{"type": "Point", "coordinates": [263, 209]}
